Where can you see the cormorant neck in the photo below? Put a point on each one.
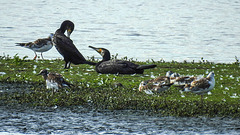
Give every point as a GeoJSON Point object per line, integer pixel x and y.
{"type": "Point", "coordinates": [59, 31]}
{"type": "Point", "coordinates": [106, 56]}
{"type": "Point", "coordinates": [62, 29]}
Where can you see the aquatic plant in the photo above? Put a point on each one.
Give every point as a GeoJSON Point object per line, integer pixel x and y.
{"type": "Point", "coordinates": [115, 91]}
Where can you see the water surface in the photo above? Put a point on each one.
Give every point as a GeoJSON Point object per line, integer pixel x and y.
{"type": "Point", "coordinates": [139, 29]}
{"type": "Point", "coordinates": [84, 120]}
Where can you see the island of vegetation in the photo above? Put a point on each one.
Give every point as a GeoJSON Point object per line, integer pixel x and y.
{"type": "Point", "coordinates": [19, 84]}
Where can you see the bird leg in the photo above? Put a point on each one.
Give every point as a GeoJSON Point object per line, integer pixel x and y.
{"type": "Point", "coordinates": [67, 65]}
{"type": "Point", "coordinates": [42, 56]}
{"type": "Point", "coordinates": [35, 56]}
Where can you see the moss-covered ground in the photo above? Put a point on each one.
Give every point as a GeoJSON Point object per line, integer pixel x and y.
{"type": "Point", "coordinates": [102, 91]}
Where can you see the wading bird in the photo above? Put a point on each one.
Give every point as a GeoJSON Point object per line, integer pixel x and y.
{"type": "Point", "coordinates": [40, 45]}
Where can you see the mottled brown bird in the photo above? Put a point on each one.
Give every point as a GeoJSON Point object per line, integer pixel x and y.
{"type": "Point", "coordinates": [201, 86]}
{"type": "Point", "coordinates": [40, 45]}
{"type": "Point", "coordinates": [158, 84]}
{"type": "Point", "coordinates": [54, 80]}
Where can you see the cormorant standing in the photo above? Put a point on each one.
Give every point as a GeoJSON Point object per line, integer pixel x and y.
{"type": "Point", "coordinates": [65, 45]}
{"type": "Point", "coordinates": [107, 66]}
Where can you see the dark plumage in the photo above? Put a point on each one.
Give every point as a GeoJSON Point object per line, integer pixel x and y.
{"type": "Point", "coordinates": [107, 66]}
{"type": "Point", "coordinates": [65, 45]}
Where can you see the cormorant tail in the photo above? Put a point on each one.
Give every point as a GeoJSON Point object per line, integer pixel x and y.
{"type": "Point", "coordinates": [140, 67]}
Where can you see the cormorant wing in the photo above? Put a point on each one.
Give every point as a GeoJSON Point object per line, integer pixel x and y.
{"type": "Point", "coordinates": [66, 47]}
{"type": "Point", "coordinates": [126, 64]}
{"type": "Point", "coordinates": [117, 66]}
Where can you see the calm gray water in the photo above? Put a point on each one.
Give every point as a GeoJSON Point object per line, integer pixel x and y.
{"type": "Point", "coordinates": [139, 29]}
{"type": "Point", "coordinates": [81, 120]}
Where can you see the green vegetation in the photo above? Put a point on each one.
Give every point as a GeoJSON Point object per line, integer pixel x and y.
{"type": "Point", "coordinates": [103, 92]}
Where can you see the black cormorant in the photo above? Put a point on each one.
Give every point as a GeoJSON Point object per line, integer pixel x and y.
{"type": "Point", "coordinates": [65, 45]}
{"type": "Point", "coordinates": [107, 66]}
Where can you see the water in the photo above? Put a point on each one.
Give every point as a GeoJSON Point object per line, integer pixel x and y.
{"type": "Point", "coordinates": [22, 119]}
{"type": "Point", "coordinates": [139, 29]}
{"type": "Point", "coordinates": [82, 120]}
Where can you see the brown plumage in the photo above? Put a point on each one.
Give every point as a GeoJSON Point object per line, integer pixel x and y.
{"type": "Point", "coordinates": [54, 80]}
{"type": "Point", "coordinates": [179, 81]}
{"type": "Point", "coordinates": [201, 86]}
{"type": "Point", "coordinates": [40, 45]}
{"type": "Point", "coordinates": [158, 84]}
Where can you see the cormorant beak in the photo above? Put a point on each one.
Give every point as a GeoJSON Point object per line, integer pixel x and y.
{"type": "Point", "coordinates": [69, 31]}
{"type": "Point", "coordinates": [94, 48]}
{"type": "Point", "coordinates": [99, 50]}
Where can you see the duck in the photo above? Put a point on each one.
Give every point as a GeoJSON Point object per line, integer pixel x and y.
{"type": "Point", "coordinates": [158, 84]}
{"type": "Point", "coordinates": [54, 80]}
{"type": "Point", "coordinates": [201, 86]}
{"type": "Point", "coordinates": [39, 45]}
{"type": "Point", "coordinates": [65, 46]}
{"type": "Point", "coordinates": [114, 66]}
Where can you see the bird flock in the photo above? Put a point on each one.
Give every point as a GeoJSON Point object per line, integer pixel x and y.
{"type": "Point", "coordinates": [66, 47]}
